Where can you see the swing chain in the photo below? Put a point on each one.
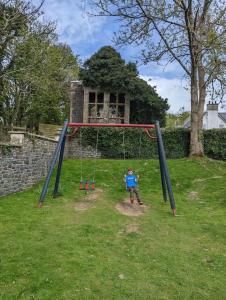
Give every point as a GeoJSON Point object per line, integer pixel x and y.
{"type": "Point", "coordinates": [81, 156]}
{"type": "Point", "coordinates": [96, 152]}
{"type": "Point", "coordinates": [123, 144]}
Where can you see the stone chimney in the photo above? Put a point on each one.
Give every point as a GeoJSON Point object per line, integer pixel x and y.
{"type": "Point", "coordinates": [212, 114]}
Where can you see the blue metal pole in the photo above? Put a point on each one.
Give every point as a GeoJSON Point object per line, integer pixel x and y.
{"type": "Point", "coordinates": [167, 177]}
{"type": "Point", "coordinates": [53, 162]}
{"type": "Point", "coordinates": [162, 172]}
{"type": "Point", "coordinates": [60, 162]}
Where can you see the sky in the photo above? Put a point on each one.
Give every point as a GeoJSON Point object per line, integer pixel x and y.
{"type": "Point", "coordinates": [86, 34]}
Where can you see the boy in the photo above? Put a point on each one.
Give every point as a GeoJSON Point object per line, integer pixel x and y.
{"type": "Point", "coordinates": [131, 181]}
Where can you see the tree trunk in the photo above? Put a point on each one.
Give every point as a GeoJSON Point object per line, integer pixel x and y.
{"type": "Point", "coordinates": [196, 147]}
{"type": "Point", "coordinates": [202, 94]}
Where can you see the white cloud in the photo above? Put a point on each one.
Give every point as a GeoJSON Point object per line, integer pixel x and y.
{"type": "Point", "coordinates": [173, 89]}
{"type": "Point", "coordinates": [74, 25]}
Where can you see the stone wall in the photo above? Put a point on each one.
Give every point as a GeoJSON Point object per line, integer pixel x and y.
{"type": "Point", "coordinates": [74, 150]}
{"type": "Point", "coordinates": [24, 161]}
{"type": "Point", "coordinates": [76, 102]}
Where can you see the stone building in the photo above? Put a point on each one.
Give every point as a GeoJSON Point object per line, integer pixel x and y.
{"type": "Point", "coordinates": [89, 105]}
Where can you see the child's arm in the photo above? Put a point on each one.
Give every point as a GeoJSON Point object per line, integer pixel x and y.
{"type": "Point", "coordinates": [124, 178]}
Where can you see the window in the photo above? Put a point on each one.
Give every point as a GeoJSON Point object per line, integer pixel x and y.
{"type": "Point", "coordinates": [100, 98]}
{"type": "Point", "coordinates": [116, 113]}
{"type": "Point", "coordinates": [113, 98]}
{"type": "Point", "coordinates": [92, 97]}
{"type": "Point", "coordinates": [98, 112]}
{"type": "Point", "coordinates": [96, 107]}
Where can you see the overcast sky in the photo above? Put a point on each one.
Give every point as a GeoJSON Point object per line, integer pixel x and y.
{"type": "Point", "coordinates": [86, 35]}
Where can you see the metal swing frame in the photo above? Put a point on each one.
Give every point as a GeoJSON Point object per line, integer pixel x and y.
{"type": "Point", "coordinates": [59, 153]}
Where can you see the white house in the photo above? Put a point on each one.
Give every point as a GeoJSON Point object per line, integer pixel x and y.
{"type": "Point", "coordinates": [212, 118]}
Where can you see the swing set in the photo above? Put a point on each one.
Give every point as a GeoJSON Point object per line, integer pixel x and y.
{"type": "Point", "coordinates": [88, 184]}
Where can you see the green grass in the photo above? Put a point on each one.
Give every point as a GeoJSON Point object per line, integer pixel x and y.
{"type": "Point", "coordinates": [59, 253]}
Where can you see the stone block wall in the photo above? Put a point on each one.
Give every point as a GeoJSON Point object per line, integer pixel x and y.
{"type": "Point", "coordinates": [73, 150]}
{"type": "Point", "coordinates": [24, 162]}
{"type": "Point", "coordinates": [76, 102]}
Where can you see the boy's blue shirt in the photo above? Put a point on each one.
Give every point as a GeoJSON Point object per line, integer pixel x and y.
{"type": "Point", "coordinates": [131, 180]}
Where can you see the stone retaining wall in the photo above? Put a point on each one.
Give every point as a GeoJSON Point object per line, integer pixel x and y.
{"type": "Point", "coordinates": [24, 161]}
{"type": "Point", "coordinates": [73, 150]}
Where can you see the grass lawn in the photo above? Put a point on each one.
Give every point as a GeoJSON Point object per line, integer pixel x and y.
{"type": "Point", "coordinates": [59, 253]}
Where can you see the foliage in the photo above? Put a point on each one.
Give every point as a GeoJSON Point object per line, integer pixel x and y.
{"type": "Point", "coordinates": [107, 71]}
{"type": "Point", "coordinates": [138, 145]}
{"type": "Point", "coordinates": [176, 120]}
{"type": "Point", "coordinates": [215, 143]}
{"type": "Point", "coordinates": [190, 33]}
{"type": "Point", "coordinates": [59, 253]}
{"type": "Point", "coordinates": [146, 105]}
{"type": "Point", "coordinates": [136, 142]}
{"type": "Point", "coordinates": [45, 85]}
{"type": "Point", "coordinates": [34, 68]}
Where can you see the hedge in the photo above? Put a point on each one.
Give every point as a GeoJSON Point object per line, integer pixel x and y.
{"type": "Point", "coordinates": [138, 145]}
{"type": "Point", "coordinates": [215, 143]}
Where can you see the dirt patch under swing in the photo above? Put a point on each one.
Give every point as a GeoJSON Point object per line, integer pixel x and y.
{"type": "Point", "coordinates": [88, 201]}
{"type": "Point", "coordinates": [128, 209]}
{"type": "Point", "coordinates": [132, 228]}
{"type": "Point", "coordinates": [193, 195]}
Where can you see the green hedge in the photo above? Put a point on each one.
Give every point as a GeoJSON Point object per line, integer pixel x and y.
{"type": "Point", "coordinates": [138, 145]}
{"type": "Point", "coordinates": [215, 143]}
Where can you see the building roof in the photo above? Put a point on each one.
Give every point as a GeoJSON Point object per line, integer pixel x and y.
{"type": "Point", "coordinates": [187, 123]}
{"type": "Point", "coordinates": [222, 116]}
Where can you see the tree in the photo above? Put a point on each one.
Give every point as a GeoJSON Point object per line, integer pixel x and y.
{"type": "Point", "coordinates": [34, 69]}
{"type": "Point", "coordinates": [18, 19]}
{"type": "Point", "coordinates": [107, 71]}
{"type": "Point", "coordinates": [177, 120]}
{"type": "Point", "coordinates": [189, 32]}
{"type": "Point", "coordinates": [42, 90]}
{"type": "Point", "coordinates": [146, 105]}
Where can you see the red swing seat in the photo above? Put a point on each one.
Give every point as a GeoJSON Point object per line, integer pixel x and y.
{"type": "Point", "coordinates": [87, 185]}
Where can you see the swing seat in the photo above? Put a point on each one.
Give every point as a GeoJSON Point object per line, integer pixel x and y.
{"type": "Point", "coordinates": [87, 185]}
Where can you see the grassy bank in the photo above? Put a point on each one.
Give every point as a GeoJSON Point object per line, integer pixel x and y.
{"type": "Point", "coordinates": [59, 253]}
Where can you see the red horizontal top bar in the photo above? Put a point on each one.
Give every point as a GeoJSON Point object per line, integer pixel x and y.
{"type": "Point", "coordinates": [110, 125]}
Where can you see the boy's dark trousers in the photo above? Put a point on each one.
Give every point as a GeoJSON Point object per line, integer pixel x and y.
{"type": "Point", "coordinates": [134, 190]}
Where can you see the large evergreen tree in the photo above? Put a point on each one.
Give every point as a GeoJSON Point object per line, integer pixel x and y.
{"type": "Point", "coordinates": [107, 71]}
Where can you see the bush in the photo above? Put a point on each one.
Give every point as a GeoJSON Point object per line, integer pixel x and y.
{"type": "Point", "coordinates": [215, 143]}
{"type": "Point", "coordinates": [137, 143]}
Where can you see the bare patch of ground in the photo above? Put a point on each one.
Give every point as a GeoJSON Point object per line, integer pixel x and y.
{"type": "Point", "coordinates": [88, 201]}
{"type": "Point", "coordinates": [128, 209]}
{"type": "Point", "coordinates": [131, 228]}
{"type": "Point", "coordinates": [193, 195]}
